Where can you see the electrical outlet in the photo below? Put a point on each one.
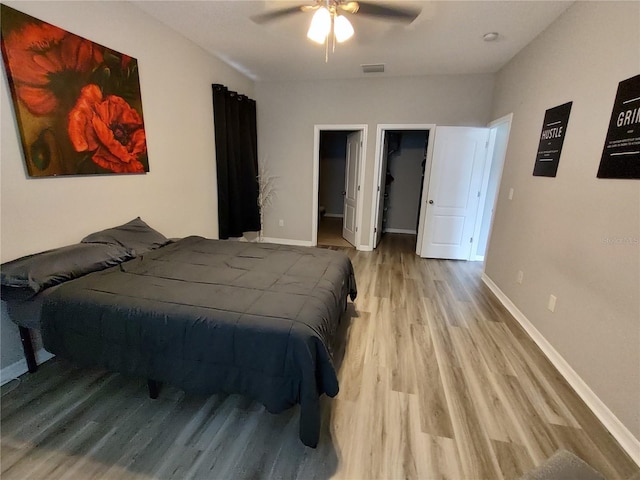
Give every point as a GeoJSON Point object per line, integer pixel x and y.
{"type": "Point", "coordinates": [511, 194]}
{"type": "Point", "coordinates": [520, 277]}
{"type": "Point", "coordinates": [552, 303]}
{"type": "Point", "coordinates": [281, 223]}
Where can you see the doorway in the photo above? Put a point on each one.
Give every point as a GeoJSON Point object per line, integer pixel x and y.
{"type": "Point", "coordinates": [403, 159]}
{"type": "Point", "coordinates": [484, 195]}
{"type": "Point", "coordinates": [332, 189]}
{"type": "Point", "coordinates": [338, 168]}
{"type": "Point", "coordinates": [403, 165]}
{"type": "Point", "coordinates": [498, 140]}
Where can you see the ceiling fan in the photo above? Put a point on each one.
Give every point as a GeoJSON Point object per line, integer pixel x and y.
{"type": "Point", "coordinates": [379, 10]}
{"type": "Point", "coordinates": [330, 25]}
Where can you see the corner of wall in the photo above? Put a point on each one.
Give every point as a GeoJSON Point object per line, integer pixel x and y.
{"type": "Point", "coordinates": [621, 433]}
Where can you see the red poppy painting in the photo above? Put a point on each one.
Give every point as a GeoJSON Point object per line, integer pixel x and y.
{"type": "Point", "coordinates": [77, 103]}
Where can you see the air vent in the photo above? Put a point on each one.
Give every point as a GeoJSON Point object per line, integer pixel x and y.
{"type": "Point", "coordinates": [373, 68]}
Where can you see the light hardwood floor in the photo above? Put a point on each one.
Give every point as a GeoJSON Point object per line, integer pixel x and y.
{"type": "Point", "coordinates": [436, 381]}
{"type": "Point", "coordinates": [330, 233]}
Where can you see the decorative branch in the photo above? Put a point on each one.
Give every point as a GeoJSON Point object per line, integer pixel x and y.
{"type": "Point", "coordinates": [266, 192]}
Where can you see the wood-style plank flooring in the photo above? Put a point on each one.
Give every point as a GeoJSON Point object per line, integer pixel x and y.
{"type": "Point", "coordinates": [330, 233]}
{"type": "Point", "coordinates": [436, 381]}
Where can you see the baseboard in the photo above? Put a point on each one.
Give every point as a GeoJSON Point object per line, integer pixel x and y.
{"type": "Point", "coordinates": [305, 243]}
{"type": "Point", "coordinates": [621, 433]}
{"type": "Point", "coordinates": [400, 230]}
{"type": "Point", "coordinates": [286, 241]}
{"type": "Point", "coordinates": [20, 367]}
{"type": "Point", "coordinates": [478, 258]}
{"type": "Point", "coordinates": [334, 215]}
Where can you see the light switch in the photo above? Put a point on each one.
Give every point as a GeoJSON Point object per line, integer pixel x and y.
{"type": "Point", "coordinates": [511, 194]}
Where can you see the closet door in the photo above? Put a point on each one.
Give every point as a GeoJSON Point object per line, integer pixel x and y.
{"type": "Point", "coordinates": [454, 191]}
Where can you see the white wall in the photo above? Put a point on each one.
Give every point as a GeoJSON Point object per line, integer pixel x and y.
{"type": "Point", "coordinates": [566, 233]}
{"type": "Point", "coordinates": [288, 111]}
{"type": "Point", "coordinates": [178, 196]}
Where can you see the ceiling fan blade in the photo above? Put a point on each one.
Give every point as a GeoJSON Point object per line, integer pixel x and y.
{"type": "Point", "coordinates": [276, 14]}
{"type": "Point", "coordinates": [350, 7]}
{"type": "Point", "coordinates": [387, 12]}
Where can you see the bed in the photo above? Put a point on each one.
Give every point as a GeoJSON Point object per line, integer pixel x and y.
{"type": "Point", "coordinates": [210, 316]}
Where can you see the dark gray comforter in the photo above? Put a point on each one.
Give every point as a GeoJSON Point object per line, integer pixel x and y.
{"type": "Point", "coordinates": [212, 316]}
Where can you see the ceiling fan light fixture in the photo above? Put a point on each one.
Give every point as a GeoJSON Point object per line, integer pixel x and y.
{"type": "Point", "coordinates": [343, 29]}
{"type": "Point", "coordinates": [320, 26]}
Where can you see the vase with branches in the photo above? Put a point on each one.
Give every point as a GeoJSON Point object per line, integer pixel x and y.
{"type": "Point", "coordinates": [266, 193]}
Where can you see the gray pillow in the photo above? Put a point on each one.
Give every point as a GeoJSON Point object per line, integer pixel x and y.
{"type": "Point", "coordinates": [41, 270]}
{"type": "Point", "coordinates": [135, 235]}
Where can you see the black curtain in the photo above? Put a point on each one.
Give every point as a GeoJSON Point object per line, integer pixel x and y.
{"type": "Point", "coordinates": [236, 137]}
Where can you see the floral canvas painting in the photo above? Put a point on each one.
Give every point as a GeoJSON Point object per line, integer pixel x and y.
{"type": "Point", "coordinates": [77, 103]}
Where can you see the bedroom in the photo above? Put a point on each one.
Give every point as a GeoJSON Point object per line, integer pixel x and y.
{"type": "Point", "coordinates": [565, 247]}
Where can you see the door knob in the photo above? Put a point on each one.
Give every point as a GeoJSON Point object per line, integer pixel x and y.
{"type": "Point", "coordinates": [431, 202]}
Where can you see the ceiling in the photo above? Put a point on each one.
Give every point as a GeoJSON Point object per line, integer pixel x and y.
{"type": "Point", "coordinates": [446, 38]}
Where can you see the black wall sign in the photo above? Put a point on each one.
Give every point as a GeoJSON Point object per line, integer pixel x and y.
{"type": "Point", "coordinates": [621, 153]}
{"type": "Point", "coordinates": [554, 129]}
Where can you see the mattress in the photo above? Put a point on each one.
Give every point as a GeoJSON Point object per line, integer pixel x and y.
{"type": "Point", "coordinates": [212, 316]}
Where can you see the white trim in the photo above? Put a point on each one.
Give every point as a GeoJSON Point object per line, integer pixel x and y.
{"type": "Point", "coordinates": [287, 241]}
{"type": "Point", "coordinates": [377, 174]}
{"type": "Point", "coordinates": [621, 433]}
{"type": "Point", "coordinates": [377, 182]}
{"type": "Point", "coordinates": [334, 215]}
{"type": "Point", "coordinates": [20, 367]}
{"type": "Point", "coordinates": [316, 185]}
{"type": "Point", "coordinates": [359, 202]}
{"type": "Point", "coordinates": [498, 121]}
{"type": "Point", "coordinates": [486, 170]}
{"type": "Point", "coordinates": [400, 230]}
{"type": "Point", "coordinates": [477, 258]}
{"type": "Point", "coordinates": [316, 177]}
{"type": "Point", "coordinates": [508, 119]}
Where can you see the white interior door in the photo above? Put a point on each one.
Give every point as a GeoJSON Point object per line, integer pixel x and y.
{"type": "Point", "coordinates": [453, 192]}
{"type": "Point", "coordinates": [382, 186]}
{"type": "Point", "coordinates": [354, 141]}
